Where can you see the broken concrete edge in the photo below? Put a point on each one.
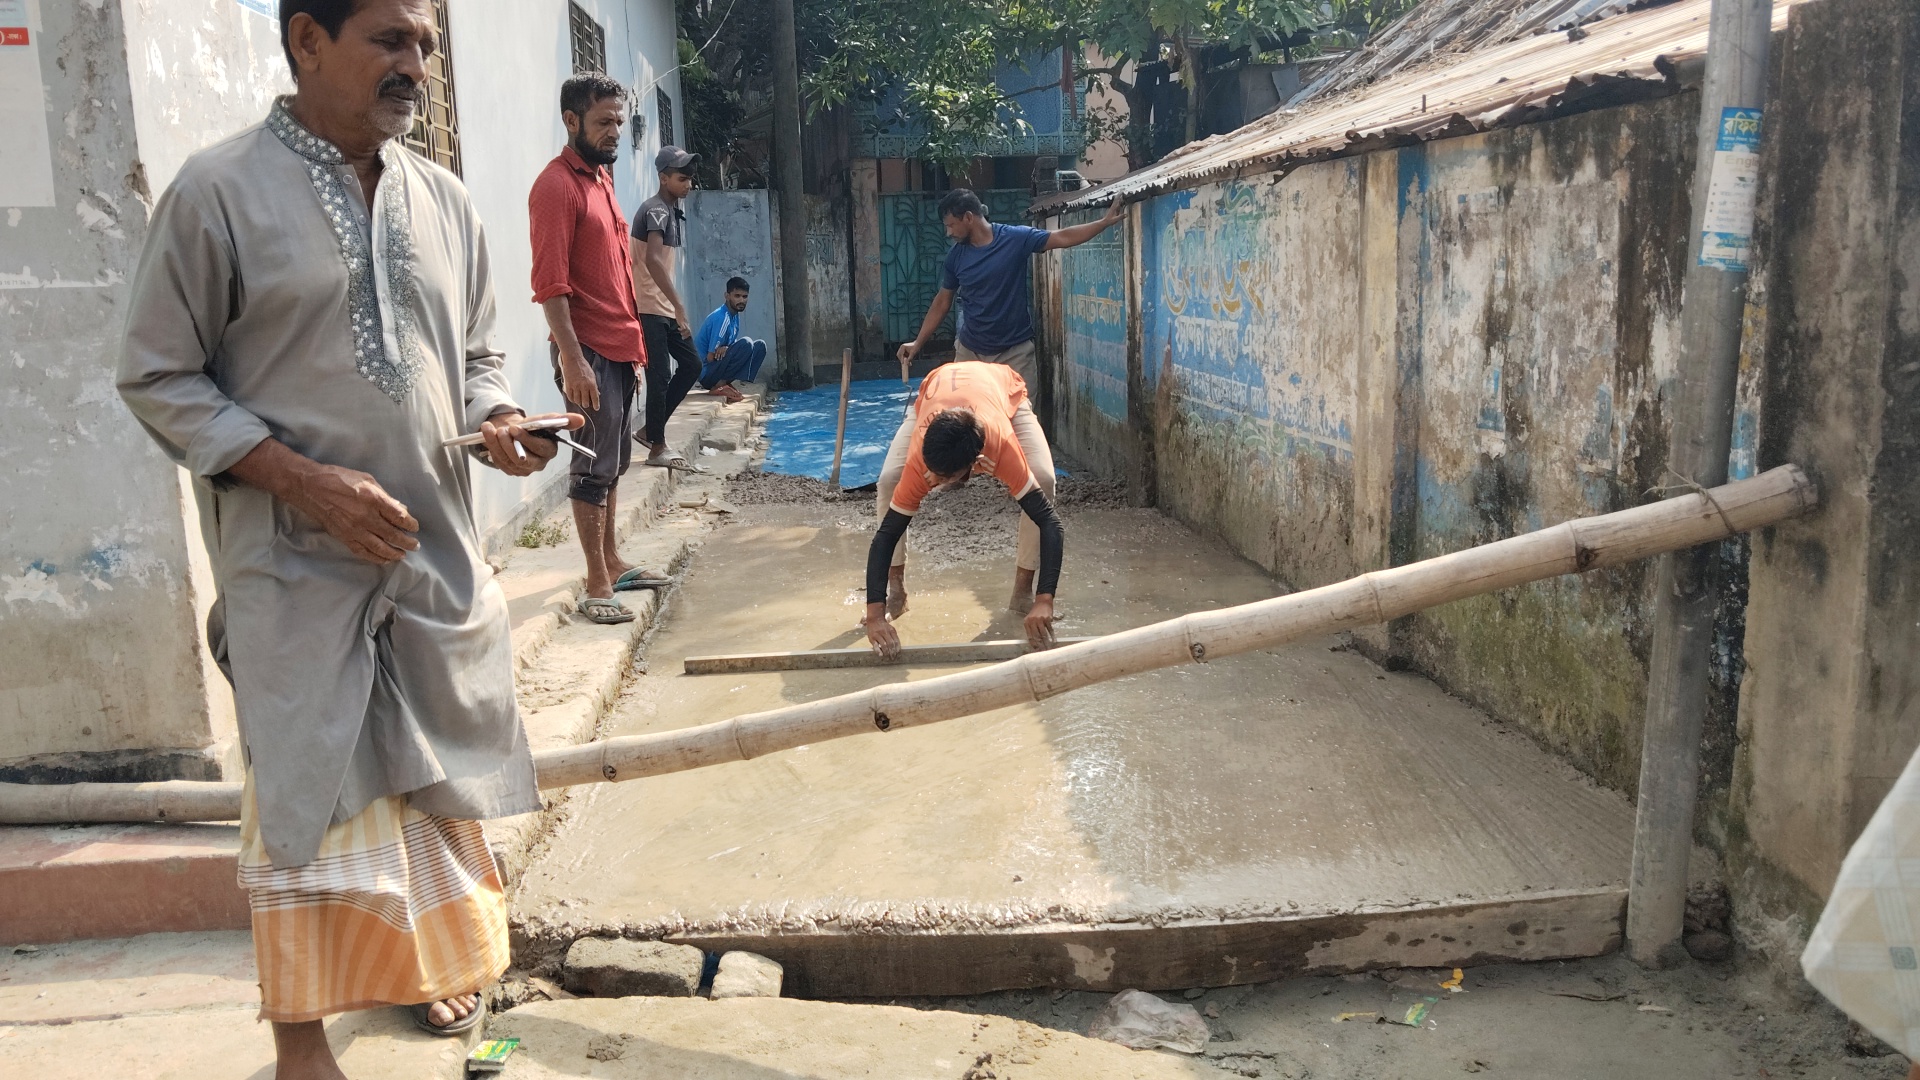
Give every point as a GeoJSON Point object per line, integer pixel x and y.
{"type": "Point", "coordinates": [900, 961]}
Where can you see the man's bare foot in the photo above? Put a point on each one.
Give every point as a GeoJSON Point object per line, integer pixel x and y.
{"type": "Point", "coordinates": [1021, 601]}
{"type": "Point", "coordinates": [300, 1052]}
{"type": "Point", "coordinates": [452, 1010]}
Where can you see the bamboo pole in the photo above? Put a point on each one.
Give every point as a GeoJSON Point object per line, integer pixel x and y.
{"type": "Point", "coordinates": [1573, 547]}
{"type": "Point", "coordinates": [840, 431]}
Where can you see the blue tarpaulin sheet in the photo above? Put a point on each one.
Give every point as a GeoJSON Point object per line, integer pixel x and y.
{"type": "Point", "coordinates": [799, 430]}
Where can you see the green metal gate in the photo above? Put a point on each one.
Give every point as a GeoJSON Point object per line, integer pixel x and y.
{"type": "Point", "coordinates": [913, 245]}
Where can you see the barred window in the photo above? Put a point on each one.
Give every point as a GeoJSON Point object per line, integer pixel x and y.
{"type": "Point", "coordinates": [589, 41]}
{"type": "Point", "coordinates": [666, 120]}
{"type": "Point", "coordinates": [436, 130]}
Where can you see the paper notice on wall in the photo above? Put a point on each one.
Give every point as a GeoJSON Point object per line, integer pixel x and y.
{"type": "Point", "coordinates": [27, 178]}
{"type": "Point", "coordinates": [1726, 232]}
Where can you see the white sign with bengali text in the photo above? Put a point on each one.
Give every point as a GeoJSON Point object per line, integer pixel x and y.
{"type": "Point", "coordinates": [1726, 230]}
{"type": "Point", "coordinates": [27, 179]}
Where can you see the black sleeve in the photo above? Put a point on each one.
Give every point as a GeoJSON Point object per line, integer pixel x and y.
{"type": "Point", "coordinates": [1053, 542]}
{"type": "Point", "coordinates": [880, 553]}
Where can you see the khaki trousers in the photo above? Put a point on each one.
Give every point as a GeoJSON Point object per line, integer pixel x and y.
{"type": "Point", "coordinates": [1019, 358]}
{"type": "Point", "coordinates": [1033, 443]}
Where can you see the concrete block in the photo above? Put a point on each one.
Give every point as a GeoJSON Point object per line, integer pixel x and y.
{"type": "Point", "coordinates": [599, 967]}
{"type": "Point", "coordinates": [745, 974]}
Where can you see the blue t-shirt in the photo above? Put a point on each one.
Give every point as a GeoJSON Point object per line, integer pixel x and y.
{"type": "Point", "coordinates": [720, 328]}
{"type": "Point", "coordinates": [991, 284]}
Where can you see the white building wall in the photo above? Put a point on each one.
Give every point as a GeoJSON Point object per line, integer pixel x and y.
{"type": "Point", "coordinates": [103, 583]}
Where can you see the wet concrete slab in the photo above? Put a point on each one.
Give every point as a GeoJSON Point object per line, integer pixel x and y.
{"type": "Point", "coordinates": [1292, 810]}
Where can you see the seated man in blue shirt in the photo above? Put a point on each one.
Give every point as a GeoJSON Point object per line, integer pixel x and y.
{"type": "Point", "coordinates": [725, 356]}
{"type": "Point", "coordinates": [988, 268]}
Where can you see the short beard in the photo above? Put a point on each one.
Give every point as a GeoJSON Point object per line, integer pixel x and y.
{"type": "Point", "coordinates": [592, 154]}
{"type": "Point", "coordinates": [394, 90]}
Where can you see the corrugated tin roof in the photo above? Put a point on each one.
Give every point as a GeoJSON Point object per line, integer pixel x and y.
{"type": "Point", "coordinates": [1531, 77]}
{"type": "Point", "coordinates": [1439, 27]}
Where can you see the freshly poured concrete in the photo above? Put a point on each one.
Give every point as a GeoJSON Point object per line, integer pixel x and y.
{"type": "Point", "coordinates": [1292, 810]}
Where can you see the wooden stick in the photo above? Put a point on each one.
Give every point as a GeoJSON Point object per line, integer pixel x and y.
{"type": "Point", "coordinates": [840, 432]}
{"type": "Point", "coordinates": [964, 652]}
{"type": "Point", "coordinates": [1573, 547]}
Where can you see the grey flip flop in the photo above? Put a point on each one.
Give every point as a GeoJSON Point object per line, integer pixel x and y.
{"type": "Point", "coordinates": [603, 611]}
{"type": "Point", "coordinates": [424, 1022]}
{"type": "Point", "coordinates": [637, 578]}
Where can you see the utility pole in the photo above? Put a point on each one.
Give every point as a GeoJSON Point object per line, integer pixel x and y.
{"type": "Point", "coordinates": [1713, 306]}
{"type": "Point", "coordinates": [796, 358]}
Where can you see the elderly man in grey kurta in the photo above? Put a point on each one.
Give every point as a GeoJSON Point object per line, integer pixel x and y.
{"type": "Point", "coordinates": [311, 320]}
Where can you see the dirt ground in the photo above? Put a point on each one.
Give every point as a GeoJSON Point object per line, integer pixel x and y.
{"type": "Point", "coordinates": [1599, 1019]}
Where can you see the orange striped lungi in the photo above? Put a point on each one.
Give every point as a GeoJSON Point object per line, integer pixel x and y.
{"type": "Point", "coordinates": [399, 908]}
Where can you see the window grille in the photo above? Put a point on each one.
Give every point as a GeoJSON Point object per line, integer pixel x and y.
{"type": "Point", "coordinates": [589, 41]}
{"type": "Point", "coordinates": [436, 130]}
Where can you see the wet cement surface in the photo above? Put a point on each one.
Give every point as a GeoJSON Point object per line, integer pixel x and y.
{"type": "Point", "coordinates": [1277, 784]}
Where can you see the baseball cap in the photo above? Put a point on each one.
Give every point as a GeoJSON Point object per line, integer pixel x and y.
{"type": "Point", "coordinates": [674, 158]}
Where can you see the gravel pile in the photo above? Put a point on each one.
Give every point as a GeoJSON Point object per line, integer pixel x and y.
{"type": "Point", "coordinates": [976, 521]}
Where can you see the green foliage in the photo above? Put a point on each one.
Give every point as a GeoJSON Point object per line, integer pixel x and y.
{"type": "Point", "coordinates": [942, 56]}
{"type": "Point", "coordinates": [940, 53]}
{"type": "Point", "coordinates": [1354, 21]}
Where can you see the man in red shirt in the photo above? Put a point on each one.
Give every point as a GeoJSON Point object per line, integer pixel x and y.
{"type": "Point", "coordinates": [580, 279]}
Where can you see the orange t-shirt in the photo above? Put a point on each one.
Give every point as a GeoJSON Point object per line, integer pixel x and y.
{"type": "Point", "coordinates": [994, 392]}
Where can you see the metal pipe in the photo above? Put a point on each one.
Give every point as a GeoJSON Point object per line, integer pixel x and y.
{"type": "Point", "coordinates": [1712, 315]}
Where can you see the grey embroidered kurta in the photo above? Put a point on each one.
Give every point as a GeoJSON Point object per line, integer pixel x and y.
{"type": "Point", "coordinates": [269, 302]}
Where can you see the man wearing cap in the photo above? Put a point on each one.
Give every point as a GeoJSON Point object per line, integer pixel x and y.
{"type": "Point", "coordinates": [672, 365]}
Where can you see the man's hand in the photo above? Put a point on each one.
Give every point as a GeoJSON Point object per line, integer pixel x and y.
{"type": "Point", "coordinates": [686, 326]}
{"type": "Point", "coordinates": [506, 438]}
{"type": "Point", "coordinates": [355, 510]}
{"type": "Point", "coordinates": [1115, 211]}
{"type": "Point", "coordinates": [1040, 623]}
{"type": "Point", "coordinates": [880, 632]}
{"type": "Point", "coordinates": [908, 351]}
{"type": "Point", "coordinates": [577, 383]}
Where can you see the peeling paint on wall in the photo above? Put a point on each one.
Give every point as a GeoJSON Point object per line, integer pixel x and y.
{"type": "Point", "coordinates": [1532, 322]}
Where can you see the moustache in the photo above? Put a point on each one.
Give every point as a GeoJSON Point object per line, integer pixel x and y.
{"type": "Point", "coordinates": [399, 87]}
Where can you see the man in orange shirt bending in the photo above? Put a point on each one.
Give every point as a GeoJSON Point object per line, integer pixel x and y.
{"type": "Point", "coordinates": [970, 417]}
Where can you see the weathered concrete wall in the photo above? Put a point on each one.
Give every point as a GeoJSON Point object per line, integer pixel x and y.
{"type": "Point", "coordinates": [1087, 339]}
{"type": "Point", "coordinates": [730, 234]}
{"type": "Point", "coordinates": [1384, 358]}
{"type": "Point", "coordinates": [1544, 279]}
{"type": "Point", "coordinates": [1830, 709]}
{"type": "Point", "coordinates": [1248, 297]}
{"type": "Point", "coordinates": [829, 280]}
{"type": "Point", "coordinates": [869, 305]}
{"type": "Point", "coordinates": [103, 582]}
{"type": "Point", "coordinates": [104, 673]}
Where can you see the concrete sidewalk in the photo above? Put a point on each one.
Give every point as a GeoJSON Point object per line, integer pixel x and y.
{"type": "Point", "coordinates": [179, 1007]}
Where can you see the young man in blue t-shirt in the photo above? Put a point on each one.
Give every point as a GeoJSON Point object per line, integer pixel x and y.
{"type": "Point", "coordinates": [725, 356]}
{"type": "Point", "coordinates": [988, 268]}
